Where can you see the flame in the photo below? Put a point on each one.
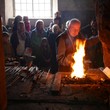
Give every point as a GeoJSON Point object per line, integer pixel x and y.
{"type": "Point", "coordinates": [78, 68]}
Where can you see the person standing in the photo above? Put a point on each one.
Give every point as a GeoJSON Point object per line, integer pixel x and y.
{"type": "Point", "coordinates": [36, 38]}
{"type": "Point", "coordinates": [7, 45]}
{"type": "Point", "coordinates": [20, 40]}
{"type": "Point", "coordinates": [66, 44]}
{"type": "Point", "coordinates": [53, 47]}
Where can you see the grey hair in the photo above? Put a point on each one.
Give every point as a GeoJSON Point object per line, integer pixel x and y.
{"type": "Point", "coordinates": [73, 21]}
{"type": "Point", "coordinates": [38, 21]}
{"type": "Point", "coordinates": [67, 23]}
{"type": "Point", "coordinates": [55, 26]}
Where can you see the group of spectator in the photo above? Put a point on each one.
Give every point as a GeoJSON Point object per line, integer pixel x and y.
{"type": "Point", "coordinates": [51, 47]}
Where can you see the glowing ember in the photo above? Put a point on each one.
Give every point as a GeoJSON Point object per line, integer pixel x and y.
{"type": "Point", "coordinates": [78, 68]}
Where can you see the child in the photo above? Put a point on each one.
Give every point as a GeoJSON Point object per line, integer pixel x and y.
{"type": "Point", "coordinates": [45, 57]}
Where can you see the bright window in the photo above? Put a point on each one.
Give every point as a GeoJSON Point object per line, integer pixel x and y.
{"type": "Point", "coordinates": [35, 8]}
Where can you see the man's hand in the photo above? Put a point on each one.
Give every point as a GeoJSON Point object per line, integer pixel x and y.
{"type": "Point", "coordinates": [70, 59]}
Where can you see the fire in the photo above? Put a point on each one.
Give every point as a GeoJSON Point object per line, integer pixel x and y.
{"type": "Point", "coordinates": [78, 67]}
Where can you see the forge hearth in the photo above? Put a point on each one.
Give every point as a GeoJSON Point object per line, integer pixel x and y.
{"type": "Point", "coordinates": [69, 80]}
{"type": "Point", "coordinates": [86, 80]}
{"type": "Point", "coordinates": [93, 76]}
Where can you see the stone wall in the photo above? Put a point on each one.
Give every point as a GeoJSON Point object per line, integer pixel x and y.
{"type": "Point", "coordinates": [81, 9]}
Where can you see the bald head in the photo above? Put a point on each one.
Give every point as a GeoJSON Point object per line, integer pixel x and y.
{"type": "Point", "coordinates": [74, 27]}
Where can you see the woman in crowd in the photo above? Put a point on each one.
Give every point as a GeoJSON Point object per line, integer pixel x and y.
{"type": "Point", "coordinates": [20, 39]}
{"type": "Point", "coordinates": [16, 21]}
{"type": "Point", "coordinates": [27, 23]}
{"type": "Point", "coordinates": [36, 38]}
{"type": "Point", "coordinates": [52, 42]}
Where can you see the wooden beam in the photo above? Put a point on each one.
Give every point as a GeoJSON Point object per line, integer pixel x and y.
{"type": "Point", "coordinates": [3, 96]}
{"type": "Point", "coordinates": [49, 81]}
{"type": "Point", "coordinates": [55, 90]}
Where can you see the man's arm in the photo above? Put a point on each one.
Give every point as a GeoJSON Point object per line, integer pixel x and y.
{"type": "Point", "coordinates": [61, 54]}
{"type": "Point", "coordinates": [92, 41]}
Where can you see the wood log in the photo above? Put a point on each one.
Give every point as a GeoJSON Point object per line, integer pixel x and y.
{"type": "Point", "coordinates": [96, 74]}
{"type": "Point", "coordinates": [56, 84]}
{"type": "Point", "coordinates": [3, 95]}
{"type": "Point", "coordinates": [49, 81]}
{"type": "Point", "coordinates": [44, 77]}
{"type": "Point", "coordinates": [26, 87]}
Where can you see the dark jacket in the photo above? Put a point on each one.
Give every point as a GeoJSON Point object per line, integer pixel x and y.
{"type": "Point", "coordinates": [53, 48]}
{"type": "Point", "coordinates": [66, 48]}
{"type": "Point", "coordinates": [14, 41]}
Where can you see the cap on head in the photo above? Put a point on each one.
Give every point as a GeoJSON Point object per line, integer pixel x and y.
{"type": "Point", "coordinates": [5, 34]}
